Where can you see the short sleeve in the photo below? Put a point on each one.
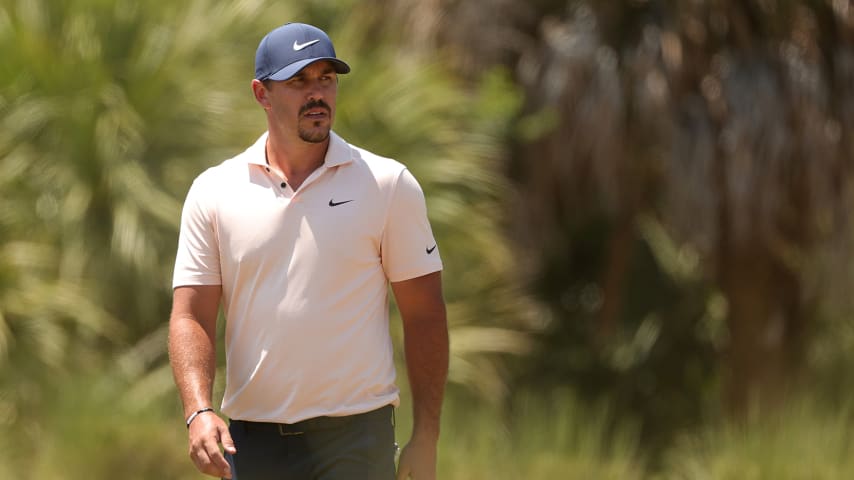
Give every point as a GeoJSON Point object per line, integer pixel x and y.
{"type": "Point", "coordinates": [197, 259]}
{"type": "Point", "coordinates": [408, 247]}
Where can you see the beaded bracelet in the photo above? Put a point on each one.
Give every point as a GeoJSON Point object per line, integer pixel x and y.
{"type": "Point", "coordinates": [196, 414]}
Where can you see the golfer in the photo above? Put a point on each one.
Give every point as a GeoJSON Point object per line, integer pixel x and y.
{"type": "Point", "coordinates": [298, 239]}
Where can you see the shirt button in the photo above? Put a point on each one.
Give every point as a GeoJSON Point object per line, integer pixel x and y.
{"type": "Point", "coordinates": [268, 169]}
{"type": "Point", "coordinates": [284, 185]}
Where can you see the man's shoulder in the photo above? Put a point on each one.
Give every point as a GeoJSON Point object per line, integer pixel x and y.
{"type": "Point", "coordinates": [379, 166]}
{"type": "Point", "coordinates": [213, 178]}
{"type": "Point", "coordinates": [225, 172]}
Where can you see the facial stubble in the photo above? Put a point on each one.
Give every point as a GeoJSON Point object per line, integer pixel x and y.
{"type": "Point", "coordinates": [316, 135]}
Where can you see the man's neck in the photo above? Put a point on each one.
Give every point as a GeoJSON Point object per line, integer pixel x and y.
{"type": "Point", "coordinates": [295, 160]}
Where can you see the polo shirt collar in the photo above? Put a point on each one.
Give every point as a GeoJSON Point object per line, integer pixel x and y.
{"type": "Point", "coordinates": [338, 153]}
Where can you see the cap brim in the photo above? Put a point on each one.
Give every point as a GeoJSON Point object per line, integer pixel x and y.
{"type": "Point", "coordinates": [290, 70]}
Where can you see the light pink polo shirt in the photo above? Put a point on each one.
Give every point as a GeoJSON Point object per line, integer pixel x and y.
{"type": "Point", "coordinates": [305, 277]}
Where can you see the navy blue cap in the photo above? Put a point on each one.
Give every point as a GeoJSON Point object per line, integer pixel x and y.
{"type": "Point", "coordinates": [288, 49]}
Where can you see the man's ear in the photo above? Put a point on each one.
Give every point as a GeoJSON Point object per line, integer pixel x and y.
{"type": "Point", "coordinates": [261, 94]}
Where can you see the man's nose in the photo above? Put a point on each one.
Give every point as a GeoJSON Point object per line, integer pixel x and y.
{"type": "Point", "coordinates": [314, 91]}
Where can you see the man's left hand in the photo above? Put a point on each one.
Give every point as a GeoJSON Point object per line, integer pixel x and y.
{"type": "Point", "coordinates": [418, 460]}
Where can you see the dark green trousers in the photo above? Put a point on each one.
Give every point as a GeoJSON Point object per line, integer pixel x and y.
{"type": "Point", "coordinates": [356, 447]}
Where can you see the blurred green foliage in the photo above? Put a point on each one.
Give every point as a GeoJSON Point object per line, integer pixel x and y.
{"type": "Point", "coordinates": [805, 440]}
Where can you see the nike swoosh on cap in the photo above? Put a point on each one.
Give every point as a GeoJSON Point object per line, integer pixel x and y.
{"type": "Point", "coordinates": [299, 46]}
{"type": "Point", "coordinates": [430, 250]}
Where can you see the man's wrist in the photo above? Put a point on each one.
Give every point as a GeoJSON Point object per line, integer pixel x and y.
{"type": "Point", "coordinates": [196, 414]}
{"type": "Point", "coordinates": [426, 433]}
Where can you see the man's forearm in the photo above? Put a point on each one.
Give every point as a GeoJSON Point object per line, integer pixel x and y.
{"type": "Point", "coordinates": [426, 350]}
{"type": "Point", "coordinates": [192, 354]}
{"type": "Point", "coordinates": [192, 343]}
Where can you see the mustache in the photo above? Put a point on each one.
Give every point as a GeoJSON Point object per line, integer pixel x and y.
{"type": "Point", "coordinates": [314, 104]}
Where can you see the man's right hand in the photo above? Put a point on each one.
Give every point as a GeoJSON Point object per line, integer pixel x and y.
{"type": "Point", "coordinates": [207, 433]}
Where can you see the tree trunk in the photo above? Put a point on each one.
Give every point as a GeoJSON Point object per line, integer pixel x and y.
{"type": "Point", "coordinates": [766, 330]}
{"type": "Point", "coordinates": [616, 269]}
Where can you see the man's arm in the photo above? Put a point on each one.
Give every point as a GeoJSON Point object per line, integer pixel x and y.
{"type": "Point", "coordinates": [192, 353]}
{"type": "Point", "coordinates": [425, 331]}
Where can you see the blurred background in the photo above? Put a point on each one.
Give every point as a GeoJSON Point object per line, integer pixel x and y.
{"type": "Point", "coordinates": [642, 206]}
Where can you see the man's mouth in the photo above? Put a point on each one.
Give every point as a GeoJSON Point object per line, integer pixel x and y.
{"type": "Point", "coordinates": [316, 113]}
{"type": "Point", "coordinates": [315, 110]}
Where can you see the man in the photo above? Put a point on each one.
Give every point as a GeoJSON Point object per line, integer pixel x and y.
{"type": "Point", "coordinates": [299, 237]}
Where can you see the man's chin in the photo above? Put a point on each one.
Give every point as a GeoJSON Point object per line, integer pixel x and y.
{"type": "Point", "coordinates": [318, 135]}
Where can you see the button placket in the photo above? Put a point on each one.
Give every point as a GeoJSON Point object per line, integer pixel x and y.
{"type": "Point", "coordinates": [277, 180]}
